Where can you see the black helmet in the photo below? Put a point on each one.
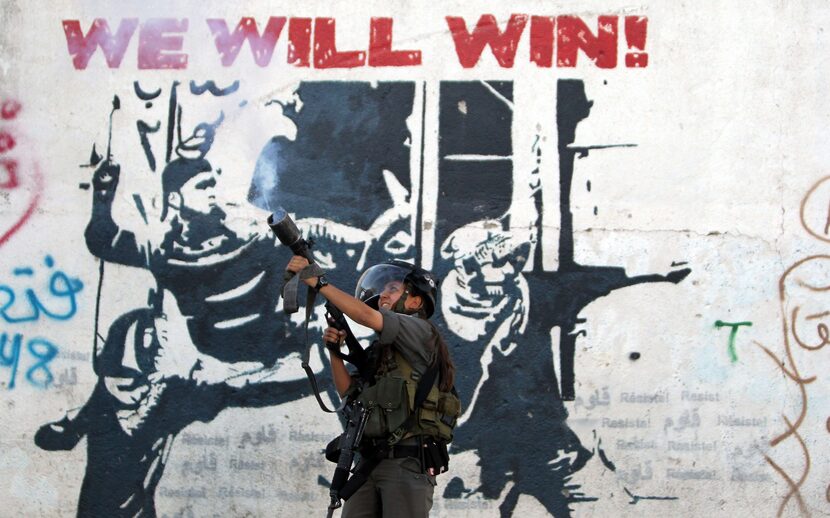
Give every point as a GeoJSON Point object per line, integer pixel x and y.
{"type": "Point", "coordinates": [374, 279]}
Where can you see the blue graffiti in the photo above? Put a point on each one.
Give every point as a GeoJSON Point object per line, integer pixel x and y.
{"type": "Point", "coordinates": [41, 351]}
{"type": "Point", "coordinates": [61, 288]}
{"type": "Point", "coordinates": [11, 357]}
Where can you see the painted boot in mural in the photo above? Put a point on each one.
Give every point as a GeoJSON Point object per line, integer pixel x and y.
{"type": "Point", "coordinates": [64, 434]}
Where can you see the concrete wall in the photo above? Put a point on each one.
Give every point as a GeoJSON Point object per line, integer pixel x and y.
{"type": "Point", "coordinates": [634, 253]}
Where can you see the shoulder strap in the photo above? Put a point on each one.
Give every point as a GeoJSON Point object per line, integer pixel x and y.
{"type": "Point", "coordinates": [290, 305]}
{"type": "Point", "coordinates": [290, 294]}
{"type": "Point", "coordinates": [430, 376]}
{"type": "Point", "coordinates": [425, 384]}
{"type": "Point", "coordinates": [421, 393]}
{"type": "Point", "coordinates": [309, 310]}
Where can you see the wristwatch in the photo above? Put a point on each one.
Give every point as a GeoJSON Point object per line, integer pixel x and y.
{"type": "Point", "coordinates": [321, 282]}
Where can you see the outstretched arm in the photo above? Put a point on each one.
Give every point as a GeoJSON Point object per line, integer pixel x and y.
{"type": "Point", "coordinates": [353, 308]}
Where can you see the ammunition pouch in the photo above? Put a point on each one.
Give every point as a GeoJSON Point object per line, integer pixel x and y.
{"type": "Point", "coordinates": [395, 409]}
{"type": "Point", "coordinates": [438, 414]}
{"type": "Point", "coordinates": [389, 406]}
{"type": "Point", "coordinates": [436, 457]}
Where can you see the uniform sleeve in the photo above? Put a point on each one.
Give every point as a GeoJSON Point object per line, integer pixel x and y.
{"type": "Point", "coordinates": [411, 336]}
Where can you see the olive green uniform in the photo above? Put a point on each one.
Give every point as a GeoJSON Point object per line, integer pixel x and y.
{"type": "Point", "coordinates": [397, 487]}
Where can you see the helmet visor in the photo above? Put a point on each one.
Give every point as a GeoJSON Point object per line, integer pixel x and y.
{"type": "Point", "coordinates": [379, 279]}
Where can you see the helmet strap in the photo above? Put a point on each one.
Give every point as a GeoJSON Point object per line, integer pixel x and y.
{"type": "Point", "coordinates": [400, 305]}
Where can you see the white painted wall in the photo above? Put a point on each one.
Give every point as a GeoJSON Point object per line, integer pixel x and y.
{"type": "Point", "coordinates": [728, 175]}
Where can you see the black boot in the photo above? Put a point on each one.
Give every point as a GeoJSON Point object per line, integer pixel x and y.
{"type": "Point", "coordinates": [61, 435]}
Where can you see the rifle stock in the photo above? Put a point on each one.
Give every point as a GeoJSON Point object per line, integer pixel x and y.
{"type": "Point", "coordinates": [356, 417]}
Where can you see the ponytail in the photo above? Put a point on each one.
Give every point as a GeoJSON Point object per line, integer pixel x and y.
{"type": "Point", "coordinates": [442, 352]}
{"type": "Point", "coordinates": [446, 367]}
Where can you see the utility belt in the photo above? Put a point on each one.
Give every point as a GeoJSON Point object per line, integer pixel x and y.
{"type": "Point", "coordinates": [431, 453]}
{"type": "Point", "coordinates": [409, 447]}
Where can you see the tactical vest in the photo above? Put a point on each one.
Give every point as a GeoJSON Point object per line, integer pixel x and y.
{"type": "Point", "coordinates": [392, 403]}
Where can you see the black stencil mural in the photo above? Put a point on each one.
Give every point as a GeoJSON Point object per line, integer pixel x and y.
{"type": "Point", "coordinates": [211, 335]}
{"type": "Point", "coordinates": [208, 339]}
{"type": "Point", "coordinates": [346, 175]}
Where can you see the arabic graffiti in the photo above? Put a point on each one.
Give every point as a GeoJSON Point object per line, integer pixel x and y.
{"type": "Point", "coordinates": [633, 475]}
{"type": "Point", "coordinates": [14, 180]}
{"type": "Point", "coordinates": [261, 437]}
{"type": "Point", "coordinates": [197, 467]}
{"type": "Point", "coordinates": [59, 303]}
{"type": "Point", "coordinates": [733, 332]}
{"type": "Point", "coordinates": [41, 350]}
{"type": "Point", "coordinates": [689, 419]}
{"type": "Point", "coordinates": [594, 400]}
{"type": "Point", "coordinates": [21, 304]}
